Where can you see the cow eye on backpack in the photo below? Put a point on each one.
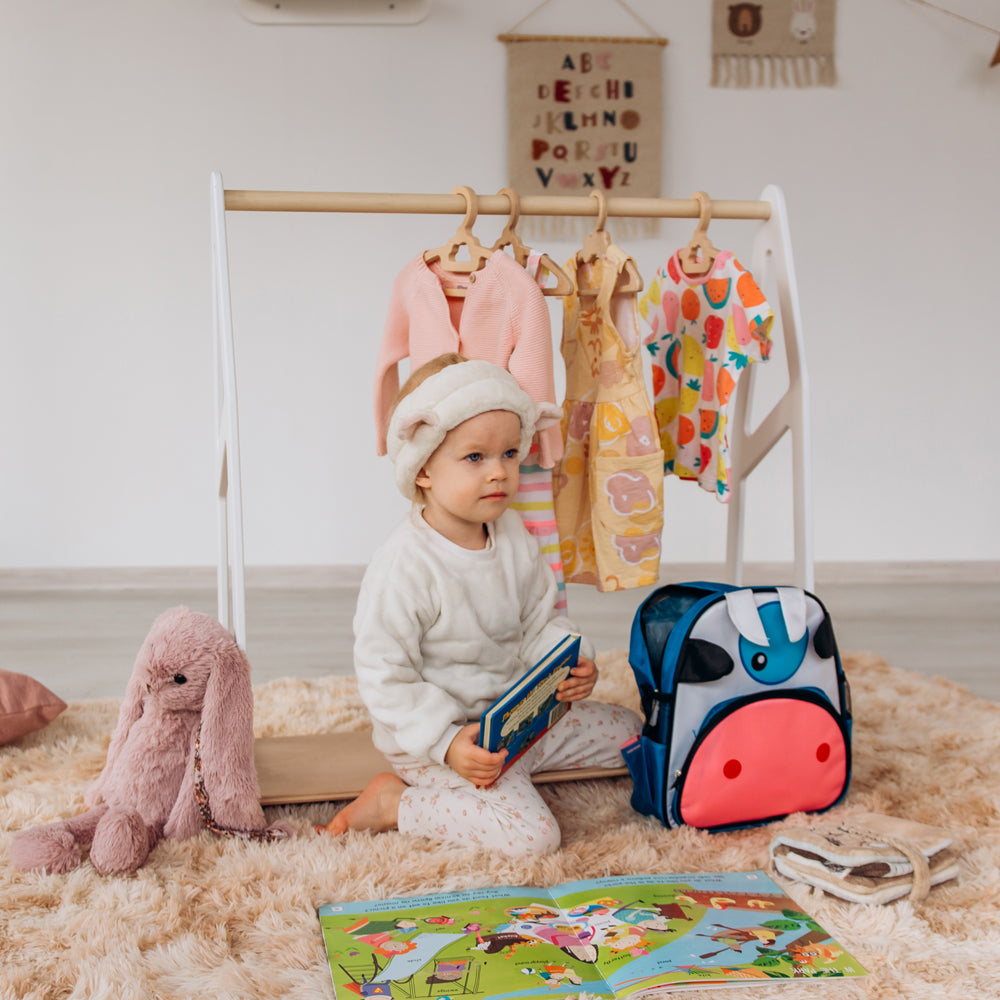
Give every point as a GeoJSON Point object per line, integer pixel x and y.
{"type": "Point", "coordinates": [747, 709]}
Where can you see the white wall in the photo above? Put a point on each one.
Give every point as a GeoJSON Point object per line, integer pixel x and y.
{"type": "Point", "coordinates": [115, 113]}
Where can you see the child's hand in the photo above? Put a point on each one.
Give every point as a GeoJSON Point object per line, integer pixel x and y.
{"type": "Point", "coordinates": [580, 682]}
{"type": "Point", "coordinates": [466, 758]}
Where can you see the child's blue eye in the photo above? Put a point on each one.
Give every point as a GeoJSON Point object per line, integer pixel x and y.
{"type": "Point", "coordinates": [510, 453]}
{"type": "Point", "coordinates": [475, 456]}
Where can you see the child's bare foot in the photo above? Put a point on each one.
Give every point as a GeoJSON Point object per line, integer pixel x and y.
{"type": "Point", "coordinates": [375, 809]}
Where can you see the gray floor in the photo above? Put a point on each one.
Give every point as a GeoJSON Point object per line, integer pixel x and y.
{"type": "Point", "coordinates": [81, 642]}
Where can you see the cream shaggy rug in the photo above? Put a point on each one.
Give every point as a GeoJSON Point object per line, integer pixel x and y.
{"type": "Point", "coordinates": [225, 919]}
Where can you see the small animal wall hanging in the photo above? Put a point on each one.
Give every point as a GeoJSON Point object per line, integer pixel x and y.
{"type": "Point", "coordinates": [787, 43]}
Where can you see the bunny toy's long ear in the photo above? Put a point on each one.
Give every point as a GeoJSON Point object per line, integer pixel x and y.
{"type": "Point", "coordinates": [128, 715]}
{"type": "Point", "coordinates": [227, 763]}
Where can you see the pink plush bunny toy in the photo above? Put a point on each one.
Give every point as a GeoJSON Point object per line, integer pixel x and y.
{"type": "Point", "coordinates": [180, 758]}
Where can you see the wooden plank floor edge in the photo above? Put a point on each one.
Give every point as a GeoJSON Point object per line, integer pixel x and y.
{"type": "Point", "coordinates": [330, 767]}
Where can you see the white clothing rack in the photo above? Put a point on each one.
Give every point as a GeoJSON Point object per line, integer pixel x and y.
{"type": "Point", "coordinates": [772, 255]}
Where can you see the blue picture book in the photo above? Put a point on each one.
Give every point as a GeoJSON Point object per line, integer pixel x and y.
{"type": "Point", "coordinates": [529, 707]}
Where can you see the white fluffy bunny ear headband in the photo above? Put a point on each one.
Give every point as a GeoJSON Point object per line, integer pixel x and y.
{"type": "Point", "coordinates": [446, 399]}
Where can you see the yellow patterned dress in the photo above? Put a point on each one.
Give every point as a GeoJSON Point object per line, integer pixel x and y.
{"type": "Point", "coordinates": [608, 487]}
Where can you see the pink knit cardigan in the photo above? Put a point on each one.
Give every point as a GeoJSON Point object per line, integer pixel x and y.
{"type": "Point", "coordinates": [504, 319]}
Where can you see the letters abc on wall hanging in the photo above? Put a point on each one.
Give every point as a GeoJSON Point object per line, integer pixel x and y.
{"type": "Point", "coordinates": [786, 43]}
{"type": "Point", "coordinates": [584, 114]}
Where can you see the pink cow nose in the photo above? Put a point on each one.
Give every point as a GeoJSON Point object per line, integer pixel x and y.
{"type": "Point", "coordinates": [770, 758]}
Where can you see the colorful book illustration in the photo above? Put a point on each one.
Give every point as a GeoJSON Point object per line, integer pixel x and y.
{"type": "Point", "coordinates": [635, 936]}
{"type": "Point", "coordinates": [528, 707]}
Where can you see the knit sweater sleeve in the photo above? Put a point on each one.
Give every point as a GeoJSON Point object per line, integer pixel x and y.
{"type": "Point", "coordinates": [531, 361]}
{"type": "Point", "coordinates": [542, 626]}
{"type": "Point", "coordinates": [393, 348]}
{"type": "Point", "coordinates": [410, 714]}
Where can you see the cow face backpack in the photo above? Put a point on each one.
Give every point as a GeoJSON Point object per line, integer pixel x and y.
{"type": "Point", "coordinates": [747, 710]}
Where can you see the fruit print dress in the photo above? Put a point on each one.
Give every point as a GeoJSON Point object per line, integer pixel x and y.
{"type": "Point", "coordinates": [608, 486]}
{"type": "Point", "coordinates": [704, 331]}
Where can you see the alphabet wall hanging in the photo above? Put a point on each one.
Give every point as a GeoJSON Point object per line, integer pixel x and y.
{"type": "Point", "coordinates": [584, 114]}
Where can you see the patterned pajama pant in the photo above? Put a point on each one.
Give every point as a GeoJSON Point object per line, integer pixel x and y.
{"type": "Point", "coordinates": [510, 816]}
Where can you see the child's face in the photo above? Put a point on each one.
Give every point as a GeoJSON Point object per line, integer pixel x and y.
{"type": "Point", "coordinates": [472, 477]}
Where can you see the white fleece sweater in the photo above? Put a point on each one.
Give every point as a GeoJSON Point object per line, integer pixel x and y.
{"type": "Point", "coordinates": [441, 631]}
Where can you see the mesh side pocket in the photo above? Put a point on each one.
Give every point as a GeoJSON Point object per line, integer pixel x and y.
{"type": "Point", "coordinates": [647, 763]}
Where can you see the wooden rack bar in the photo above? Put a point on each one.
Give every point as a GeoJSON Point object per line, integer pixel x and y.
{"type": "Point", "coordinates": [454, 204]}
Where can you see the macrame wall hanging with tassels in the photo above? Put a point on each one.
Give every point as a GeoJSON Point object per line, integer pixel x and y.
{"type": "Point", "coordinates": [773, 43]}
{"type": "Point", "coordinates": [584, 114]}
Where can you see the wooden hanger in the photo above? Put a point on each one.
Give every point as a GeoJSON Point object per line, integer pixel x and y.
{"type": "Point", "coordinates": [447, 254]}
{"type": "Point", "coordinates": [509, 237]}
{"type": "Point", "coordinates": [699, 255]}
{"type": "Point", "coordinates": [597, 243]}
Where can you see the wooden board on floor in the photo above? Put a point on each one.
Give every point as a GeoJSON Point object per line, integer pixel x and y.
{"type": "Point", "coordinates": [329, 767]}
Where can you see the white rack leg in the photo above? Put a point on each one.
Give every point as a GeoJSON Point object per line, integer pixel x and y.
{"type": "Point", "coordinates": [230, 571]}
{"type": "Point", "coordinates": [772, 252]}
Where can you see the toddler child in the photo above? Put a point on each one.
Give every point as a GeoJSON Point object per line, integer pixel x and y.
{"type": "Point", "coordinates": [455, 605]}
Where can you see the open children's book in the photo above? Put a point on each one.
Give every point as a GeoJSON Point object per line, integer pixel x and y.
{"type": "Point", "coordinates": [626, 936]}
{"type": "Point", "coordinates": [529, 707]}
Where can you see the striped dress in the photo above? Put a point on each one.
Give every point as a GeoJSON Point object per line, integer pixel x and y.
{"type": "Point", "coordinates": [535, 506]}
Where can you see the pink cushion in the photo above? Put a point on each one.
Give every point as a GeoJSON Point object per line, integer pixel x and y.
{"type": "Point", "coordinates": [25, 705]}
